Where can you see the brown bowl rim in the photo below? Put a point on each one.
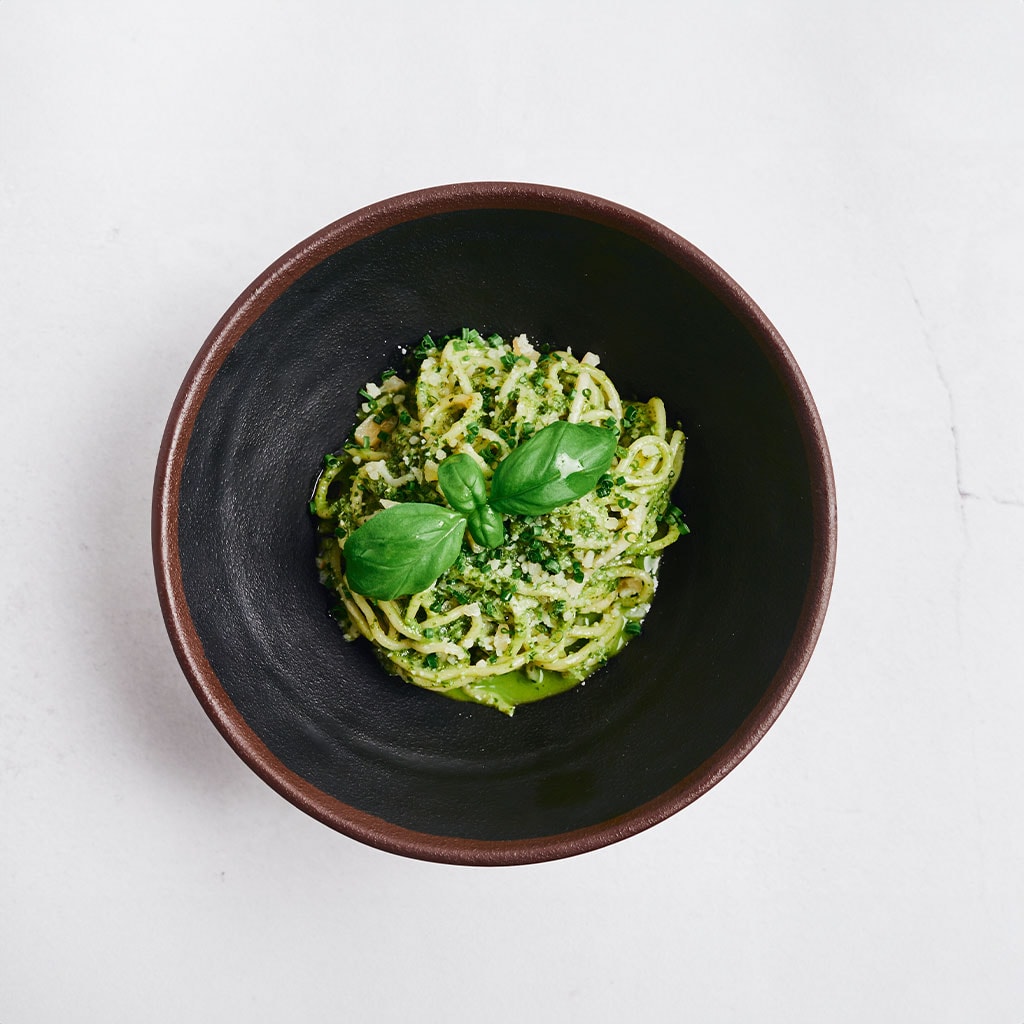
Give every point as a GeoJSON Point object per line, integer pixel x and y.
{"type": "Point", "coordinates": [250, 305]}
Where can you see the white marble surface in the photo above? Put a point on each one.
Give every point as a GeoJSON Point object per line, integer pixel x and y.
{"type": "Point", "coordinates": [858, 168]}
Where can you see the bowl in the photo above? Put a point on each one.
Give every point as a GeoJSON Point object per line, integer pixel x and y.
{"type": "Point", "coordinates": [741, 599]}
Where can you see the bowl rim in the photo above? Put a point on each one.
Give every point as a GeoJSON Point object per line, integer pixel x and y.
{"type": "Point", "coordinates": [255, 300]}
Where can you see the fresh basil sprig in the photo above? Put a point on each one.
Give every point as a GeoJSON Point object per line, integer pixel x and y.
{"type": "Point", "coordinates": [403, 549]}
{"type": "Point", "coordinates": [462, 480]}
{"type": "Point", "coordinates": [557, 465]}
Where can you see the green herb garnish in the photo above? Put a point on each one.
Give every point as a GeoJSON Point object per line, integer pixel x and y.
{"type": "Point", "coordinates": [463, 484]}
{"type": "Point", "coordinates": [425, 347]}
{"type": "Point", "coordinates": [557, 465]}
{"type": "Point", "coordinates": [403, 549]}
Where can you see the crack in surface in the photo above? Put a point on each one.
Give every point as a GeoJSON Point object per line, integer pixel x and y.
{"type": "Point", "coordinates": [995, 499]}
{"type": "Point", "coordinates": [947, 388]}
{"type": "Point", "coordinates": [963, 495]}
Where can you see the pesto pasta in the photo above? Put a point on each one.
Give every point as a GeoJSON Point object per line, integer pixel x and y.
{"type": "Point", "coordinates": [565, 590]}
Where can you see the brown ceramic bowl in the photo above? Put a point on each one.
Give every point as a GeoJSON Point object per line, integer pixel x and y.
{"type": "Point", "coordinates": [275, 385]}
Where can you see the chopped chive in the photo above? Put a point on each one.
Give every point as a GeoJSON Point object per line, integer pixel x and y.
{"type": "Point", "coordinates": [674, 515]}
{"type": "Point", "coordinates": [425, 347]}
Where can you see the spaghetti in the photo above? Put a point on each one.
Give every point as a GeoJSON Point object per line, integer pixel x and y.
{"type": "Point", "coordinates": [567, 589]}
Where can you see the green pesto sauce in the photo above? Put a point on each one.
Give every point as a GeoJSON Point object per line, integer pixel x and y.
{"type": "Point", "coordinates": [506, 691]}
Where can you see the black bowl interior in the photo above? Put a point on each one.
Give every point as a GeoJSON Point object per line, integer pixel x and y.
{"type": "Point", "coordinates": [730, 596]}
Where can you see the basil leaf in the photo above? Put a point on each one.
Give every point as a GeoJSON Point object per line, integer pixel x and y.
{"type": "Point", "coordinates": [487, 527]}
{"type": "Point", "coordinates": [403, 549]}
{"type": "Point", "coordinates": [557, 465]}
{"type": "Point", "coordinates": [463, 484]}
{"type": "Point", "coordinates": [462, 480]}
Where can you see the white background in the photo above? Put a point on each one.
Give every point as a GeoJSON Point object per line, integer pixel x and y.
{"type": "Point", "coordinates": [858, 168]}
